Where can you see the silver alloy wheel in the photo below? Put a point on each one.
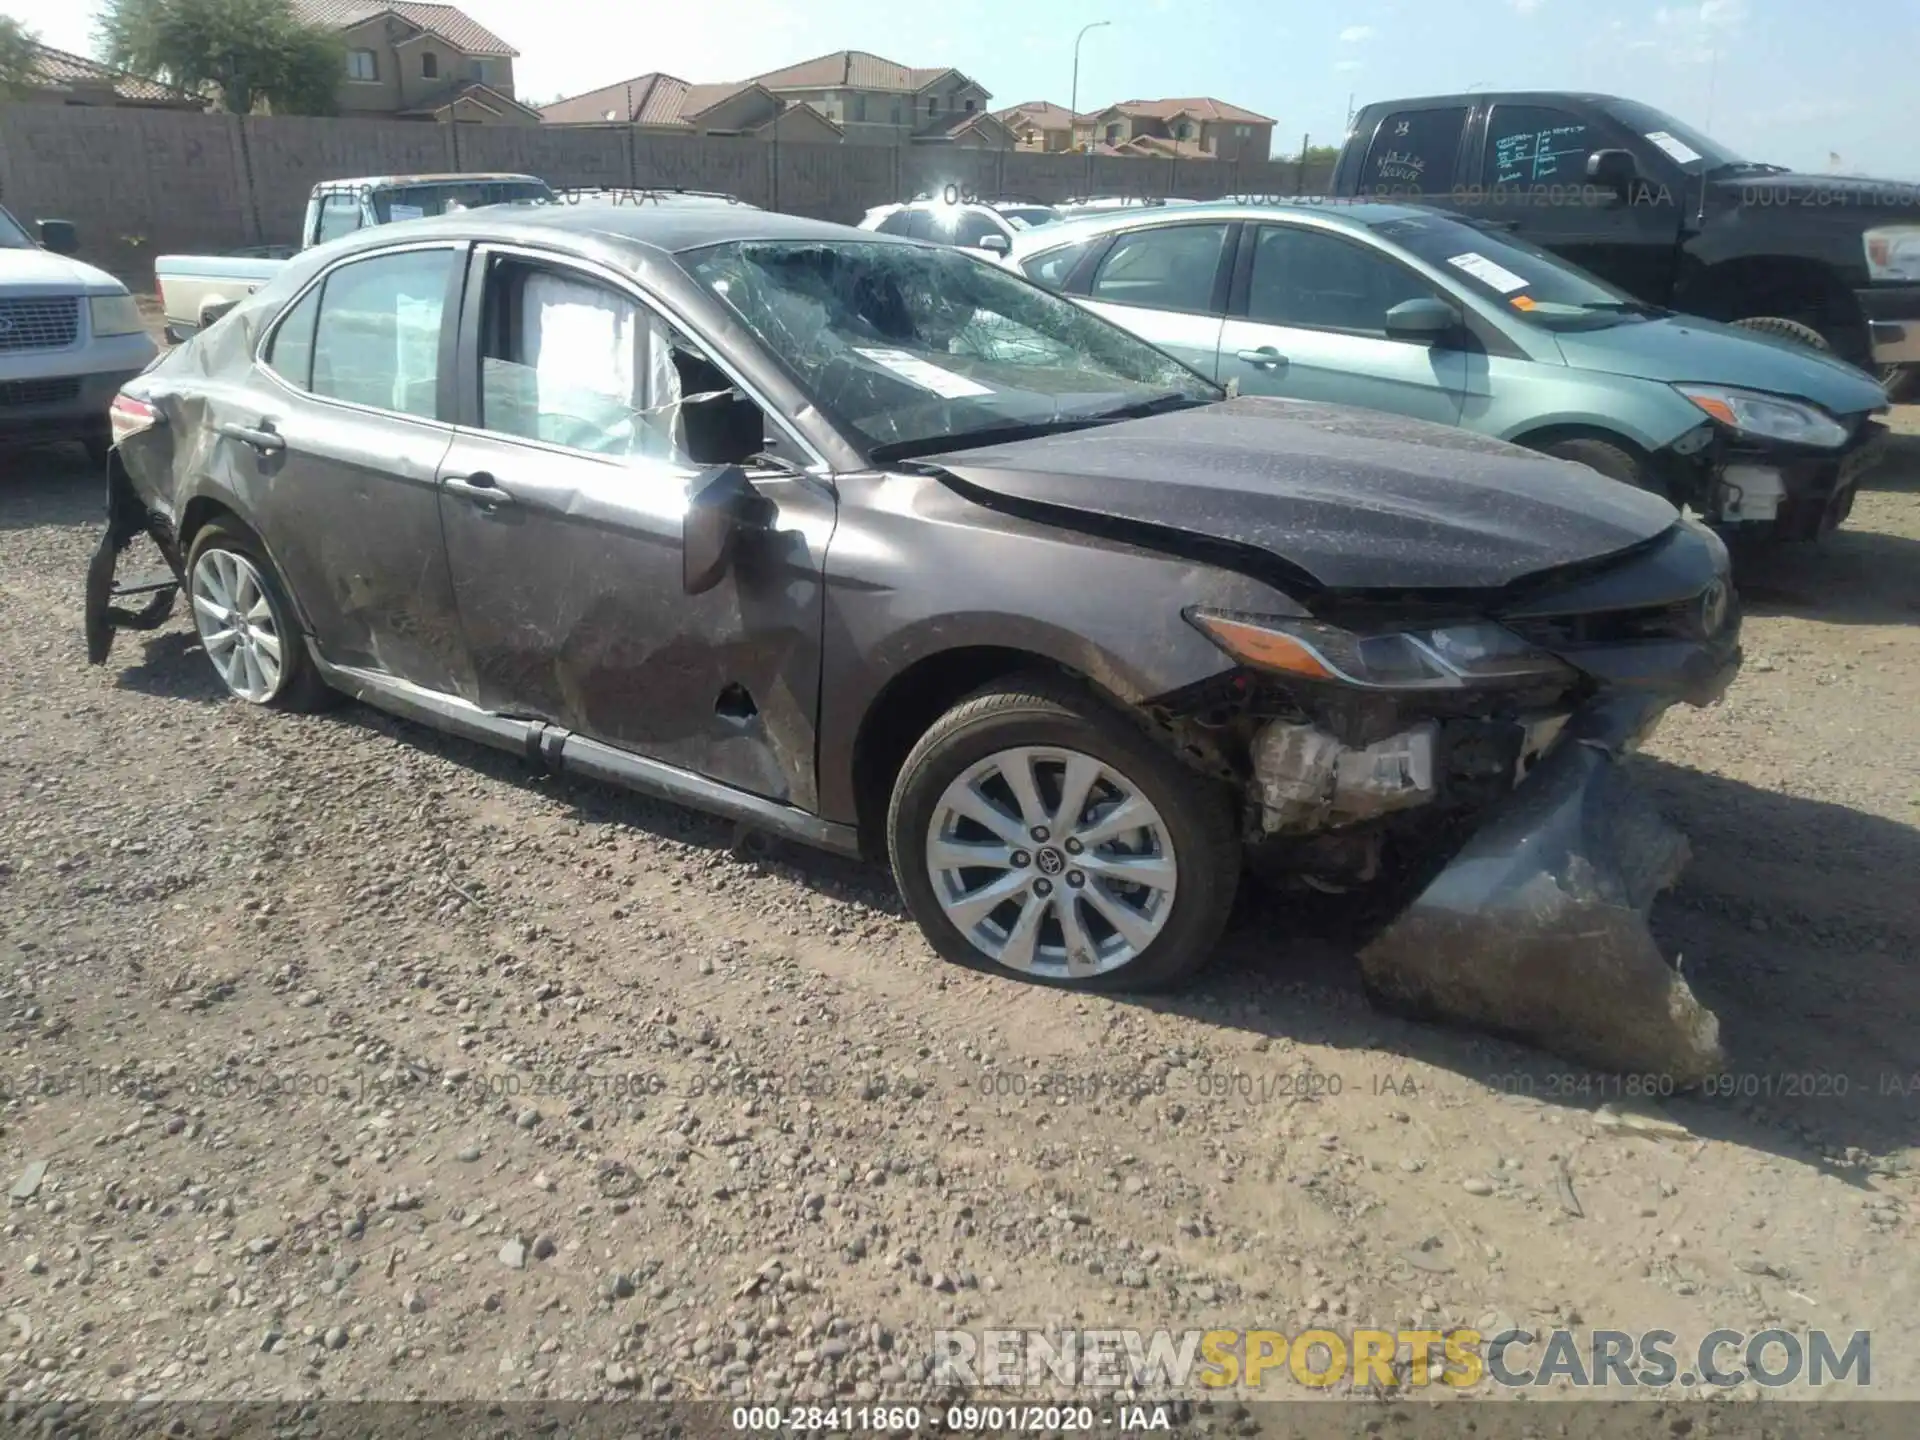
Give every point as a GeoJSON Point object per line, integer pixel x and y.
{"type": "Point", "coordinates": [236, 624]}
{"type": "Point", "coordinates": [1051, 862]}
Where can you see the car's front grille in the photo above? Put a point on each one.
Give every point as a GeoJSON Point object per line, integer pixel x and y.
{"type": "Point", "coordinates": [50, 322]}
{"type": "Point", "coordinates": [39, 392]}
{"type": "Point", "coordinates": [1684, 620]}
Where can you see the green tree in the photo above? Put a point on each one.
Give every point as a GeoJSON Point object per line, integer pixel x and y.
{"type": "Point", "coordinates": [245, 54]}
{"type": "Point", "coordinates": [19, 56]}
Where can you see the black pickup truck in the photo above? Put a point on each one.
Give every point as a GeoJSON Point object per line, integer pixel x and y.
{"type": "Point", "coordinates": [1665, 212]}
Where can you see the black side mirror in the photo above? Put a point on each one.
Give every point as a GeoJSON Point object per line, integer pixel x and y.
{"type": "Point", "coordinates": [60, 237]}
{"type": "Point", "coordinates": [1613, 170]}
{"type": "Point", "coordinates": [723, 503]}
{"type": "Point", "coordinates": [1422, 321]}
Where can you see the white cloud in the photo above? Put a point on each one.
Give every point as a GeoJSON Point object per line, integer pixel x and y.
{"type": "Point", "coordinates": [1356, 34]}
{"type": "Point", "coordinates": [1693, 34]}
{"type": "Point", "coordinates": [1525, 7]}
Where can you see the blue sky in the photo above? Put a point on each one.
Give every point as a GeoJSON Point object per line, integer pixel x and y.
{"type": "Point", "coordinates": [1791, 81]}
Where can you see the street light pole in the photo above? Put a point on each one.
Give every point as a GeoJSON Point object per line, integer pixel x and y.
{"type": "Point", "coordinates": [1073, 98]}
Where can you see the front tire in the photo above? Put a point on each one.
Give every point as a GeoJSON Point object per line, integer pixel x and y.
{"type": "Point", "coordinates": [1609, 459]}
{"type": "Point", "coordinates": [248, 627]}
{"type": "Point", "coordinates": [1035, 832]}
{"type": "Point", "coordinates": [1797, 331]}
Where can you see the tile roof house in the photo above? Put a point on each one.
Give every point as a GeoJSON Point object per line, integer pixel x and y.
{"type": "Point", "coordinates": [1198, 129]}
{"type": "Point", "coordinates": [65, 79]}
{"type": "Point", "coordinates": [877, 101]}
{"type": "Point", "coordinates": [670, 105]}
{"type": "Point", "coordinates": [419, 61]}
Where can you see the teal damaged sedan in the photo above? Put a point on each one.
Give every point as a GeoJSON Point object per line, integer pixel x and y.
{"type": "Point", "coordinates": [1425, 314]}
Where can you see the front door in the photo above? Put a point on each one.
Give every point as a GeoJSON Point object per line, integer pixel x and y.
{"type": "Point", "coordinates": [1165, 283]}
{"type": "Point", "coordinates": [562, 498]}
{"type": "Point", "coordinates": [1533, 177]}
{"type": "Point", "coordinates": [336, 452]}
{"type": "Point", "coordinates": [1311, 325]}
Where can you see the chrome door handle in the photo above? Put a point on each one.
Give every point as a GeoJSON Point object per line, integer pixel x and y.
{"type": "Point", "coordinates": [479, 488]}
{"type": "Point", "coordinates": [1265, 358]}
{"type": "Point", "coordinates": [260, 438]}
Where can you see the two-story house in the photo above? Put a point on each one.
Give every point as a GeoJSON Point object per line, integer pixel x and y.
{"type": "Point", "coordinates": [1199, 129]}
{"type": "Point", "coordinates": [669, 105]}
{"type": "Point", "coordinates": [416, 61]}
{"type": "Point", "coordinates": [876, 101]}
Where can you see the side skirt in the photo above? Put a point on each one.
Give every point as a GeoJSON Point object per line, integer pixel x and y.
{"type": "Point", "coordinates": [561, 750]}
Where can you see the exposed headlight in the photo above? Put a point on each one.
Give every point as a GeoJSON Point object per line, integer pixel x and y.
{"type": "Point", "coordinates": [1768, 417]}
{"type": "Point", "coordinates": [1449, 657]}
{"type": "Point", "coordinates": [1893, 252]}
{"type": "Point", "coordinates": [115, 315]}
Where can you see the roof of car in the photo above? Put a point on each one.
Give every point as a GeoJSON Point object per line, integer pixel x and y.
{"type": "Point", "coordinates": [667, 227]}
{"type": "Point", "coordinates": [1064, 232]}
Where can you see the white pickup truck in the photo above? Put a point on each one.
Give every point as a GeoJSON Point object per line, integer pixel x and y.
{"type": "Point", "coordinates": [196, 290]}
{"type": "Point", "coordinates": [70, 337]}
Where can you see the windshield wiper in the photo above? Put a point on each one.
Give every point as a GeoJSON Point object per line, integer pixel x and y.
{"type": "Point", "coordinates": [1140, 409]}
{"type": "Point", "coordinates": [1624, 307]}
{"type": "Point", "coordinates": [892, 450]}
{"type": "Point", "coordinates": [1748, 167]}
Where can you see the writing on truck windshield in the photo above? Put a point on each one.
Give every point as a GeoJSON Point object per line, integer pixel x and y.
{"type": "Point", "coordinates": [414, 202]}
{"type": "Point", "coordinates": [1694, 150]}
{"type": "Point", "coordinates": [1537, 286]}
{"type": "Point", "coordinates": [914, 348]}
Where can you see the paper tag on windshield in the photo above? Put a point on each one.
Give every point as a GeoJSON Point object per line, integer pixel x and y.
{"type": "Point", "coordinates": [1678, 149]}
{"type": "Point", "coordinates": [928, 376]}
{"type": "Point", "coordinates": [1483, 269]}
{"type": "Point", "coordinates": [405, 212]}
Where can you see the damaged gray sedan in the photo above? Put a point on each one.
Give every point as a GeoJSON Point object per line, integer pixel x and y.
{"type": "Point", "coordinates": [879, 547]}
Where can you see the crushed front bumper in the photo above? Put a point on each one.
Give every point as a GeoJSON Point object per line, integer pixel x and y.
{"type": "Point", "coordinates": [1538, 929]}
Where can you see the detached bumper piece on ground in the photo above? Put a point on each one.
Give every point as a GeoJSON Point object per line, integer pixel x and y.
{"type": "Point", "coordinates": [1538, 927]}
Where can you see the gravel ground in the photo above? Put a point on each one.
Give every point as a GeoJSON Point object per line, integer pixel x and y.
{"type": "Point", "coordinates": [362, 1062]}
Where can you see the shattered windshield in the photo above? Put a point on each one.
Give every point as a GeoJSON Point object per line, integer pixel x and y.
{"type": "Point", "coordinates": [12, 237]}
{"type": "Point", "coordinates": [914, 347]}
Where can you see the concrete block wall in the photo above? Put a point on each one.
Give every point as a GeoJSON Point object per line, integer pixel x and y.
{"type": "Point", "coordinates": [141, 183]}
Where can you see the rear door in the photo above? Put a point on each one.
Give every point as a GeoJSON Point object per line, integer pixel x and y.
{"type": "Point", "coordinates": [1168, 285]}
{"type": "Point", "coordinates": [1308, 322]}
{"type": "Point", "coordinates": [335, 448]}
{"type": "Point", "coordinates": [1416, 154]}
{"type": "Point", "coordinates": [562, 499]}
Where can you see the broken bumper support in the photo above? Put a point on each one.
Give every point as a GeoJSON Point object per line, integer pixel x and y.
{"type": "Point", "coordinates": [1538, 926]}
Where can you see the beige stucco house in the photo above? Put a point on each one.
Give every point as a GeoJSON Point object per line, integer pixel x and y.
{"type": "Point", "coordinates": [670, 105]}
{"type": "Point", "coordinates": [420, 62]}
{"type": "Point", "coordinates": [1199, 128]}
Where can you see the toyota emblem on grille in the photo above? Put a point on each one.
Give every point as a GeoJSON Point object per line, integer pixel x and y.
{"type": "Point", "coordinates": [1713, 608]}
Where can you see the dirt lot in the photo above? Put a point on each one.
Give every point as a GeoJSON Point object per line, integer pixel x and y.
{"type": "Point", "coordinates": [363, 1062]}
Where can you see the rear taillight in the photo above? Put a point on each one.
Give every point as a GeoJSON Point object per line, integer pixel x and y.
{"type": "Point", "coordinates": [128, 417]}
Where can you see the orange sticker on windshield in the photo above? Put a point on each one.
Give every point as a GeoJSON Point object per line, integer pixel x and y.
{"type": "Point", "coordinates": [1521, 302]}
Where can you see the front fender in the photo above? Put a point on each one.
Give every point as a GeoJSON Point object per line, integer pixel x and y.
{"type": "Point", "coordinates": [915, 571]}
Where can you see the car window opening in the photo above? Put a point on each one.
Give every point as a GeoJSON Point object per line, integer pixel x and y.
{"type": "Point", "coordinates": [569, 361]}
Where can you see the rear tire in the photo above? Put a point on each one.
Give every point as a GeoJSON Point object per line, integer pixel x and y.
{"type": "Point", "coordinates": [247, 624]}
{"type": "Point", "coordinates": [1071, 917]}
{"type": "Point", "coordinates": [1786, 329]}
{"type": "Point", "coordinates": [1609, 459]}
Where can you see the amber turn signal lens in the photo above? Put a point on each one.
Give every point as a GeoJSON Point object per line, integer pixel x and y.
{"type": "Point", "coordinates": [1265, 648]}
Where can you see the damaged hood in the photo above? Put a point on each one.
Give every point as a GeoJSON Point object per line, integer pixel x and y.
{"type": "Point", "coordinates": [1356, 499]}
